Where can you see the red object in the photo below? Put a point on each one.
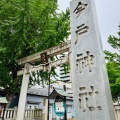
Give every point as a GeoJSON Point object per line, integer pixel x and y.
{"type": "Point", "coordinates": [0, 109]}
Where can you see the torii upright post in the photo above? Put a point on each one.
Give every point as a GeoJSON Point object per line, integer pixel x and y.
{"type": "Point", "coordinates": [91, 90]}
{"type": "Point", "coordinates": [23, 93]}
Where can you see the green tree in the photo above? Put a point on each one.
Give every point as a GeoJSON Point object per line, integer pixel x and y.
{"type": "Point", "coordinates": [113, 65]}
{"type": "Point", "coordinates": [27, 27]}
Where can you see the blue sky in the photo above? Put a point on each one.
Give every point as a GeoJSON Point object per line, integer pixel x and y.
{"type": "Point", "coordinates": [108, 13]}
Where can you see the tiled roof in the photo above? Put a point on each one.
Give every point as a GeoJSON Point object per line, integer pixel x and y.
{"type": "Point", "coordinates": [41, 91]}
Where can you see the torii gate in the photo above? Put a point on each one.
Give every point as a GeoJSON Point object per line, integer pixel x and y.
{"type": "Point", "coordinates": [91, 90]}
{"type": "Point", "coordinates": [64, 47]}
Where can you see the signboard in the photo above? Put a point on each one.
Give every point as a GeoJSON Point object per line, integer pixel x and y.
{"type": "Point", "coordinates": [59, 107]}
{"type": "Point", "coordinates": [44, 58]}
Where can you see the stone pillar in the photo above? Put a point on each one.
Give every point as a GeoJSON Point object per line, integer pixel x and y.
{"type": "Point", "coordinates": [45, 110]}
{"type": "Point", "coordinates": [92, 96]}
{"type": "Point", "coordinates": [23, 93]}
{"type": "Point", "coordinates": [15, 113]}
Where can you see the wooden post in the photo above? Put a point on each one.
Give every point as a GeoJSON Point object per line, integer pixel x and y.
{"type": "Point", "coordinates": [65, 115]}
{"type": "Point", "coordinates": [23, 93]}
{"type": "Point", "coordinates": [48, 96]}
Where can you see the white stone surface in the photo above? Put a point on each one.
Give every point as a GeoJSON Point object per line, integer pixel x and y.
{"type": "Point", "coordinates": [92, 97]}
{"type": "Point", "coordinates": [23, 94]}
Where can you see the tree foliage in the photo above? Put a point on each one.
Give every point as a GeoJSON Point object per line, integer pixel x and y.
{"type": "Point", "coordinates": [113, 65]}
{"type": "Point", "coordinates": [27, 27]}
